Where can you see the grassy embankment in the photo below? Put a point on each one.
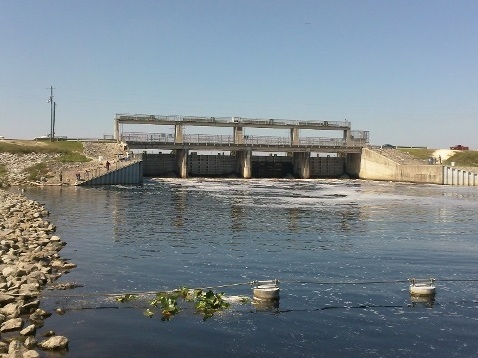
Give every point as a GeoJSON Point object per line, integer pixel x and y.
{"type": "Point", "coordinates": [69, 152]}
{"type": "Point", "coordinates": [462, 158]}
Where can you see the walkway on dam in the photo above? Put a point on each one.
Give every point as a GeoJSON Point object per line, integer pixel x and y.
{"type": "Point", "coordinates": [136, 140]}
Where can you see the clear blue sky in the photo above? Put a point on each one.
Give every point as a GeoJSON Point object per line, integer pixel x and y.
{"type": "Point", "coordinates": [407, 71]}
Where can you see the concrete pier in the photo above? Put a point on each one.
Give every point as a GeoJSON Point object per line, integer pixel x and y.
{"type": "Point", "coordinates": [301, 164]}
{"type": "Point", "coordinates": [182, 162]}
{"type": "Point", "coordinates": [243, 161]}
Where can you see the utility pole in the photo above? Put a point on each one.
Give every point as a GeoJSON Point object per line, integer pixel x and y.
{"type": "Point", "coordinates": [54, 119]}
{"type": "Point", "coordinates": [52, 114]}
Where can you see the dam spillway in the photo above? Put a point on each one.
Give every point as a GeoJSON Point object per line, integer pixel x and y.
{"type": "Point", "coordinates": [217, 165]}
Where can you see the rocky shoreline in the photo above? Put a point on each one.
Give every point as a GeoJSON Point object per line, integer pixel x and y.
{"type": "Point", "coordinates": [29, 262]}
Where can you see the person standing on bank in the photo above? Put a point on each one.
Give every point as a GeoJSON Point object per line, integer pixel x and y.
{"type": "Point", "coordinates": [107, 166]}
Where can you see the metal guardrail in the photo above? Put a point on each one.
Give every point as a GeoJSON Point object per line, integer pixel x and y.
{"type": "Point", "coordinates": [249, 140]}
{"type": "Point", "coordinates": [173, 119]}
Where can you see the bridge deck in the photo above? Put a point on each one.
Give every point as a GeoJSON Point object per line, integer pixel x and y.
{"type": "Point", "coordinates": [254, 143]}
{"type": "Point", "coordinates": [231, 122]}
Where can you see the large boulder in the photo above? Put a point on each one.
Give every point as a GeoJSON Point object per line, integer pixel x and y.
{"type": "Point", "coordinates": [54, 343]}
{"type": "Point", "coordinates": [14, 324]}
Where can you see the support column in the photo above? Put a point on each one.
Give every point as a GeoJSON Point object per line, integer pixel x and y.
{"type": "Point", "coordinates": [243, 162]}
{"type": "Point", "coordinates": [116, 131]}
{"type": "Point", "coordinates": [294, 136]}
{"type": "Point", "coordinates": [238, 136]}
{"type": "Point", "coordinates": [347, 136]}
{"type": "Point", "coordinates": [301, 164]}
{"type": "Point", "coordinates": [182, 162]}
{"type": "Point", "coordinates": [238, 133]}
{"type": "Point", "coordinates": [178, 133]}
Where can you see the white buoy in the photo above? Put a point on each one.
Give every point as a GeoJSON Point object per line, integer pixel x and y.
{"type": "Point", "coordinates": [422, 287]}
{"type": "Point", "coordinates": [266, 292]}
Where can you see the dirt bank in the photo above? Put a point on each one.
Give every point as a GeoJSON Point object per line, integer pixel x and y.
{"type": "Point", "coordinates": [16, 164]}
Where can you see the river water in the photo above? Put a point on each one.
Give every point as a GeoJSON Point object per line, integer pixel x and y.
{"type": "Point", "coordinates": [341, 250]}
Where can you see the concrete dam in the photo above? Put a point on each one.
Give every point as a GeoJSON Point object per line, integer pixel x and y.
{"type": "Point", "coordinates": [217, 165]}
{"type": "Point", "coordinates": [249, 156]}
{"type": "Point", "coordinates": [240, 154]}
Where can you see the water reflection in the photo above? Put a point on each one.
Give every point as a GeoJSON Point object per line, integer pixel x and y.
{"type": "Point", "coordinates": [293, 219]}
{"type": "Point", "coordinates": [422, 301]}
{"type": "Point", "coordinates": [266, 306]}
{"type": "Point", "coordinates": [237, 215]}
{"type": "Point", "coordinates": [179, 199]}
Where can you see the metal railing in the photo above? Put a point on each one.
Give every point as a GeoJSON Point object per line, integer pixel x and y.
{"type": "Point", "coordinates": [173, 119]}
{"type": "Point", "coordinates": [248, 140]}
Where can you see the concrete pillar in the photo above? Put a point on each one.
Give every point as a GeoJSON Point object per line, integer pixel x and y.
{"type": "Point", "coordinates": [182, 162]}
{"type": "Point", "coordinates": [353, 162]}
{"type": "Point", "coordinates": [238, 133]}
{"type": "Point", "coordinates": [347, 136]}
{"type": "Point", "coordinates": [294, 136]}
{"type": "Point", "coordinates": [178, 133]}
{"type": "Point", "coordinates": [243, 162]}
{"type": "Point", "coordinates": [116, 131]}
{"type": "Point", "coordinates": [301, 164]}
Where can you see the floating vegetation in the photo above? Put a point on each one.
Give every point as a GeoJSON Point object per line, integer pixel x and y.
{"type": "Point", "coordinates": [205, 303]}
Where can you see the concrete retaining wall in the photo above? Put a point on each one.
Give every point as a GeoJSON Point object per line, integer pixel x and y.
{"type": "Point", "coordinates": [127, 175]}
{"type": "Point", "coordinates": [374, 166]}
{"type": "Point", "coordinates": [431, 174]}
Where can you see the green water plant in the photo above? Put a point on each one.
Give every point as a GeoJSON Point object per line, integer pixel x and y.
{"type": "Point", "coordinates": [207, 303]}
{"type": "Point", "coordinates": [168, 303]}
{"type": "Point", "coordinates": [126, 298]}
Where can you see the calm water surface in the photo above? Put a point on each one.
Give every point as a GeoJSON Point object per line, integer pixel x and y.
{"type": "Point", "coordinates": [315, 237]}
